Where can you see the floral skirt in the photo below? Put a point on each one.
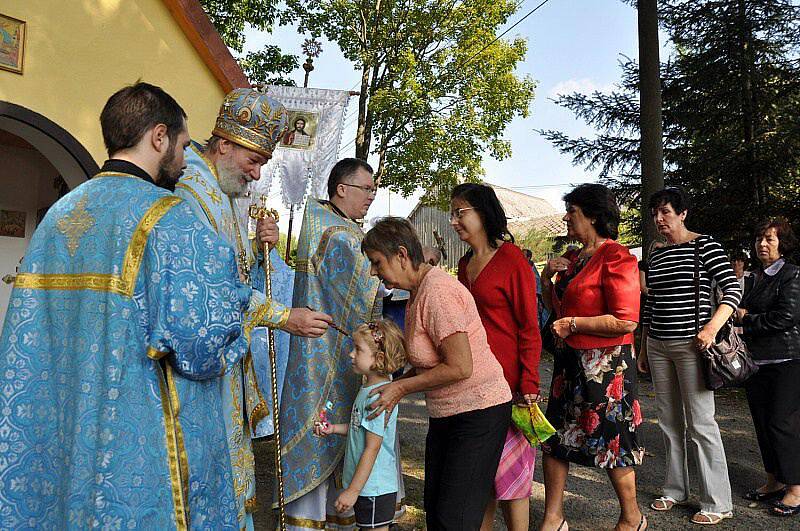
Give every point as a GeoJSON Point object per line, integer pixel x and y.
{"type": "Point", "coordinates": [594, 407]}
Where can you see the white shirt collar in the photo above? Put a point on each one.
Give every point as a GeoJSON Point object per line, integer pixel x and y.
{"type": "Point", "coordinates": [775, 267]}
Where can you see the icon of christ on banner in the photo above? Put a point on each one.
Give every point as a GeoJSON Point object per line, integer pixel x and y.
{"type": "Point", "coordinates": [303, 126]}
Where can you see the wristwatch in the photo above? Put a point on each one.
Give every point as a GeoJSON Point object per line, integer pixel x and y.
{"type": "Point", "coordinates": [573, 328]}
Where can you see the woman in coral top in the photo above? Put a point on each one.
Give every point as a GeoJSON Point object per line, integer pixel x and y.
{"type": "Point", "coordinates": [502, 282]}
{"type": "Point", "coordinates": [468, 399]}
{"type": "Point", "coordinates": [593, 402]}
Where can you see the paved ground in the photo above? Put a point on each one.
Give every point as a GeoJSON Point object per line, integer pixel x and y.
{"type": "Point", "coordinates": [590, 501]}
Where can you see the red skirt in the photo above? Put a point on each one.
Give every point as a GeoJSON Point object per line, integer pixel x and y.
{"type": "Point", "coordinates": [514, 478]}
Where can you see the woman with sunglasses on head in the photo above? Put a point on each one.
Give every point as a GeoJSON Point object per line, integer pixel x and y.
{"type": "Point", "coordinates": [502, 282]}
{"type": "Point", "coordinates": [593, 396]}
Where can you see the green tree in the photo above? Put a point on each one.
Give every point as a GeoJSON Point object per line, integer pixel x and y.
{"type": "Point", "coordinates": [231, 17]}
{"type": "Point", "coordinates": [436, 90]}
{"type": "Point", "coordinates": [731, 96]}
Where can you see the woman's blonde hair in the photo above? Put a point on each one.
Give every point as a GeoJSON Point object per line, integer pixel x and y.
{"type": "Point", "coordinates": [390, 353]}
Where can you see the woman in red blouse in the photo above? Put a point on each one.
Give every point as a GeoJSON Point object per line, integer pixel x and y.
{"type": "Point", "coordinates": [502, 282]}
{"type": "Point", "coordinates": [593, 402]}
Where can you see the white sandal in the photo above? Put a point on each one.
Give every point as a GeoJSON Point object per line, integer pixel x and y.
{"type": "Point", "coordinates": [711, 518]}
{"type": "Point", "coordinates": [664, 503]}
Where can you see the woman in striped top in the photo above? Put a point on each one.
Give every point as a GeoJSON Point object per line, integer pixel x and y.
{"type": "Point", "coordinates": [677, 330]}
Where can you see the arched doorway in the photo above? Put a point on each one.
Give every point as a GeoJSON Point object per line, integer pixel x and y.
{"type": "Point", "coordinates": [41, 162]}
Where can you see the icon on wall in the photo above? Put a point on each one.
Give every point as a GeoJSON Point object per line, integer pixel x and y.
{"type": "Point", "coordinates": [12, 223]}
{"type": "Point", "coordinates": [12, 43]}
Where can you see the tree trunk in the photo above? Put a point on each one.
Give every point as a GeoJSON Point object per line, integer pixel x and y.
{"type": "Point", "coordinates": [651, 150]}
{"type": "Point", "coordinates": [746, 65]}
{"type": "Point", "coordinates": [363, 136]}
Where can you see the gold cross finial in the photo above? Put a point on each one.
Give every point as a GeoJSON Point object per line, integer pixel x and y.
{"type": "Point", "coordinates": [75, 224]}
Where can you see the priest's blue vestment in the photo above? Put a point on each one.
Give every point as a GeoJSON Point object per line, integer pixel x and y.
{"type": "Point", "coordinates": [332, 276]}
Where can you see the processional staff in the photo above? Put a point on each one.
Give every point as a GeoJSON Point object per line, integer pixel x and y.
{"type": "Point", "coordinates": [261, 212]}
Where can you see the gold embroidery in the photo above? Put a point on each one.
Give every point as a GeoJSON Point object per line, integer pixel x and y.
{"type": "Point", "coordinates": [154, 354]}
{"type": "Point", "coordinates": [178, 498]}
{"type": "Point", "coordinates": [75, 224]}
{"type": "Point", "coordinates": [201, 202]}
{"type": "Point", "coordinates": [122, 285]}
{"type": "Point", "coordinates": [304, 522]}
{"type": "Point", "coordinates": [183, 459]}
{"type": "Point", "coordinates": [251, 505]}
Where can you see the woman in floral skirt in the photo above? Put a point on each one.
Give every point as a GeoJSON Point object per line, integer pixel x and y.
{"type": "Point", "coordinates": [593, 402]}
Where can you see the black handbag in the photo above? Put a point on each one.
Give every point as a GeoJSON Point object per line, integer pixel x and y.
{"type": "Point", "coordinates": [727, 362]}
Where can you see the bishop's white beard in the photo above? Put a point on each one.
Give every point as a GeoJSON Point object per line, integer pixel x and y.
{"type": "Point", "coordinates": [230, 181]}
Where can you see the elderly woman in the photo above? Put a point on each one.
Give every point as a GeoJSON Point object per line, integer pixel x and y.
{"type": "Point", "coordinates": [770, 317]}
{"type": "Point", "coordinates": [502, 282]}
{"type": "Point", "coordinates": [593, 402]}
{"type": "Point", "coordinates": [677, 330]}
{"type": "Point", "coordinates": [468, 399]}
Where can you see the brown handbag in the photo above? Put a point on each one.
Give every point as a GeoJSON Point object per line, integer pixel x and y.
{"type": "Point", "coordinates": [727, 362]}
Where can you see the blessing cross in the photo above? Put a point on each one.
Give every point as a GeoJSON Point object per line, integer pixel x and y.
{"type": "Point", "coordinates": [75, 224]}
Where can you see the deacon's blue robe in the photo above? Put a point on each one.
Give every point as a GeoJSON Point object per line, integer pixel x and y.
{"type": "Point", "coordinates": [125, 313]}
{"type": "Point", "coordinates": [246, 392]}
{"type": "Point", "coordinates": [332, 275]}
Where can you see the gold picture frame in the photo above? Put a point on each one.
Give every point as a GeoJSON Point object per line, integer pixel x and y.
{"type": "Point", "coordinates": [12, 43]}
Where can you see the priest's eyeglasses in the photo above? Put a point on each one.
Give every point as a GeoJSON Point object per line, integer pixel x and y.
{"type": "Point", "coordinates": [459, 212]}
{"type": "Point", "coordinates": [369, 189]}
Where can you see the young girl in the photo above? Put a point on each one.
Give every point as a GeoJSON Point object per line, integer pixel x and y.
{"type": "Point", "coordinates": [370, 463]}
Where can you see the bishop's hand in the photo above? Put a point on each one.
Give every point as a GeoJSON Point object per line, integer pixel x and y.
{"type": "Point", "coordinates": [267, 231]}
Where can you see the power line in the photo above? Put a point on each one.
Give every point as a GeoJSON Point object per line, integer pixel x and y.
{"type": "Point", "coordinates": [517, 23]}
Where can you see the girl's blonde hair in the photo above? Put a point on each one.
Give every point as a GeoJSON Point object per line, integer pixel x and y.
{"type": "Point", "coordinates": [387, 342]}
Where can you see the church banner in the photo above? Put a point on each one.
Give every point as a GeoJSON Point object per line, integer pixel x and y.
{"type": "Point", "coordinates": [306, 153]}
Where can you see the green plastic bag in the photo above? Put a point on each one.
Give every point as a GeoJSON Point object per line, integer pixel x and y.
{"type": "Point", "coordinates": [532, 422]}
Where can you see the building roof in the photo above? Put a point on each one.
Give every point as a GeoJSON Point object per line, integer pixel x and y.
{"type": "Point", "coordinates": [201, 33]}
{"type": "Point", "coordinates": [522, 207]}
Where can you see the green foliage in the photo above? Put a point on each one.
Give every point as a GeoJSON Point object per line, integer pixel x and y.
{"type": "Point", "coordinates": [432, 101]}
{"type": "Point", "coordinates": [282, 238]}
{"type": "Point", "coordinates": [541, 243]}
{"type": "Point", "coordinates": [731, 111]}
{"type": "Point", "coordinates": [231, 17]}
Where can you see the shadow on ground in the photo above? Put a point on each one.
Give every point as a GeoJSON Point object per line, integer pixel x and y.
{"type": "Point", "coordinates": [590, 501]}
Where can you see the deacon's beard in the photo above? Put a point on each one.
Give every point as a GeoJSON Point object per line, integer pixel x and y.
{"type": "Point", "coordinates": [168, 173]}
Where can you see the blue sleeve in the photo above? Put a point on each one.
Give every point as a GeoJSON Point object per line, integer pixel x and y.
{"type": "Point", "coordinates": [377, 425]}
{"type": "Point", "coordinates": [194, 300]}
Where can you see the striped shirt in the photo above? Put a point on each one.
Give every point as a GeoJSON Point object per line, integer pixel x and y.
{"type": "Point", "coordinates": [670, 306]}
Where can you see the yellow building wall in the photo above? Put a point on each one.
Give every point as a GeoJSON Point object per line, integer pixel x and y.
{"type": "Point", "coordinates": [79, 52]}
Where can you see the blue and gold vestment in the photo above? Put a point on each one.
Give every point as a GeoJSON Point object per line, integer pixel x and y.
{"type": "Point", "coordinates": [246, 390]}
{"type": "Point", "coordinates": [332, 276]}
{"type": "Point", "coordinates": [126, 311]}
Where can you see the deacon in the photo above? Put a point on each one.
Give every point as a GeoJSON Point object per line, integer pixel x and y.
{"type": "Point", "coordinates": [125, 313]}
{"type": "Point", "coordinates": [248, 126]}
{"type": "Point", "coordinates": [333, 276]}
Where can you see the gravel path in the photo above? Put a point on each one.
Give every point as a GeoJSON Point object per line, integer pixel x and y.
{"type": "Point", "coordinates": [590, 501]}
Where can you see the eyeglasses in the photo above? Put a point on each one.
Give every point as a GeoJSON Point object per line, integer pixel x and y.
{"type": "Point", "coordinates": [459, 212]}
{"type": "Point", "coordinates": [369, 189]}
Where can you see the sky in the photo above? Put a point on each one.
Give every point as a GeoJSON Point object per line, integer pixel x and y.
{"type": "Point", "coordinates": [573, 45]}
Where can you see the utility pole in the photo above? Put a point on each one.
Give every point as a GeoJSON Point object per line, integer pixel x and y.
{"type": "Point", "coordinates": [652, 148]}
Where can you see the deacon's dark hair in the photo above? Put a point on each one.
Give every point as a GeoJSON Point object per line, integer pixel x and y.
{"type": "Point", "coordinates": [597, 202]}
{"type": "Point", "coordinates": [344, 169]}
{"type": "Point", "coordinates": [672, 195]}
{"type": "Point", "coordinates": [134, 110]}
{"type": "Point", "coordinates": [787, 241]}
{"type": "Point", "coordinates": [483, 199]}
{"type": "Point", "coordinates": [391, 233]}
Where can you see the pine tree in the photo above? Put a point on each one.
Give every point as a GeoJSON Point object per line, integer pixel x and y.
{"type": "Point", "coordinates": [731, 96]}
